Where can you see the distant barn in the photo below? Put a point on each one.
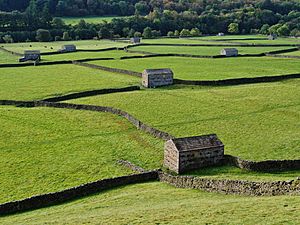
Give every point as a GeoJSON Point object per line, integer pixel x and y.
{"type": "Point", "coordinates": [31, 55]}
{"type": "Point", "coordinates": [229, 52]}
{"type": "Point", "coordinates": [185, 154]}
{"type": "Point", "coordinates": [68, 48]}
{"type": "Point", "coordinates": [220, 34]}
{"type": "Point", "coordinates": [272, 37]}
{"type": "Point", "coordinates": [152, 78]}
{"type": "Point", "coordinates": [135, 40]}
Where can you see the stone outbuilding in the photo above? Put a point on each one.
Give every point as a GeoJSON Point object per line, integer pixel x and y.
{"type": "Point", "coordinates": [68, 48]}
{"type": "Point", "coordinates": [31, 55]}
{"type": "Point", "coordinates": [272, 37]}
{"type": "Point", "coordinates": [135, 40]}
{"type": "Point", "coordinates": [152, 78]}
{"type": "Point", "coordinates": [229, 52]}
{"type": "Point", "coordinates": [190, 153]}
{"type": "Point", "coordinates": [220, 34]}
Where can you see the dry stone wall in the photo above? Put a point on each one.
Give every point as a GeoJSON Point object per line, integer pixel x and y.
{"type": "Point", "coordinates": [233, 186]}
{"type": "Point", "coordinates": [49, 199]}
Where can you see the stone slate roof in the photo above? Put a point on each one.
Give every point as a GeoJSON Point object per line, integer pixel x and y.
{"type": "Point", "coordinates": [230, 49]}
{"type": "Point", "coordinates": [197, 142]}
{"type": "Point", "coordinates": [158, 71]}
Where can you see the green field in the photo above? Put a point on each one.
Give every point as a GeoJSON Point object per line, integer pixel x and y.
{"type": "Point", "coordinates": [34, 83]}
{"type": "Point", "coordinates": [297, 53]}
{"type": "Point", "coordinates": [256, 122]}
{"type": "Point", "coordinates": [87, 55]}
{"type": "Point", "coordinates": [193, 50]}
{"type": "Point", "coordinates": [210, 69]}
{"type": "Point", "coordinates": [45, 150]}
{"type": "Point", "coordinates": [90, 19]}
{"type": "Point", "coordinates": [7, 58]}
{"type": "Point", "coordinates": [157, 203]}
{"type": "Point", "coordinates": [56, 45]}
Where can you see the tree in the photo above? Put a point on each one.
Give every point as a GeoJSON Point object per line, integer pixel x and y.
{"type": "Point", "coordinates": [147, 33]}
{"type": "Point", "coordinates": [66, 36]}
{"type": "Point", "coordinates": [8, 38]}
{"type": "Point", "coordinates": [283, 30]}
{"type": "Point", "coordinates": [195, 32]}
{"type": "Point", "coordinates": [58, 23]}
{"type": "Point", "coordinates": [176, 33]}
{"type": "Point", "coordinates": [43, 35]}
{"type": "Point", "coordinates": [184, 33]}
{"type": "Point", "coordinates": [295, 32]}
{"type": "Point", "coordinates": [264, 29]}
{"type": "Point", "coordinates": [233, 28]}
{"type": "Point", "coordinates": [104, 33]}
{"type": "Point", "coordinates": [137, 34]}
{"type": "Point", "coordinates": [170, 34]}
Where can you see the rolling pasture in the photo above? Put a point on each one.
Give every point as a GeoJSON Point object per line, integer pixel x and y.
{"type": "Point", "coordinates": [255, 122]}
{"type": "Point", "coordinates": [46, 149]}
{"type": "Point", "coordinates": [210, 69]}
{"type": "Point", "coordinates": [54, 46]}
{"type": "Point", "coordinates": [90, 19]}
{"type": "Point", "coordinates": [160, 203]}
{"type": "Point", "coordinates": [192, 50]}
{"type": "Point", "coordinates": [34, 83]}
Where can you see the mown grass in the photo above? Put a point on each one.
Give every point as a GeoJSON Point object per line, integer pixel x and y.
{"type": "Point", "coordinates": [158, 203]}
{"type": "Point", "coordinates": [255, 122]}
{"type": "Point", "coordinates": [87, 55]}
{"type": "Point", "coordinates": [276, 41]}
{"type": "Point", "coordinates": [176, 41]}
{"type": "Point", "coordinates": [7, 58]}
{"type": "Point", "coordinates": [33, 83]}
{"type": "Point", "coordinates": [234, 173]}
{"type": "Point", "coordinates": [193, 50]}
{"type": "Point", "coordinates": [90, 19]}
{"type": "Point", "coordinates": [56, 45]}
{"type": "Point", "coordinates": [44, 149]}
{"type": "Point", "coordinates": [210, 69]}
{"type": "Point", "coordinates": [297, 53]}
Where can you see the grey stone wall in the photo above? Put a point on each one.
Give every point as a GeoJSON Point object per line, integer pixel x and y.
{"type": "Point", "coordinates": [233, 186]}
{"type": "Point", "coordinates": [49, 199]}
{"type": "Point", "coordinates": [191, 160]}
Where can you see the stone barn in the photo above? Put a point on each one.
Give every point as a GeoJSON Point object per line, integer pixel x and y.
{"type": "Point", "coordinates": [31, 55]}
{"type": "Point", "coordinates": [220, 34]}
{"type": "Point", "coordinates": [229, 52]}
{"type": "Point", "coordinates": [272, 37]}
{"type": "Point", "coordinates": [152, 78]}
{"type": "Point", "coordinates": [135, 40]}
{"type": "Point", "coordinates": [68, 48]}
{"type": "Point", "coordinates": [190, 153]}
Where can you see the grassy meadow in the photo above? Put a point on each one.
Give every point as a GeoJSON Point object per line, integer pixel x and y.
{"type": "Point", "coordinates": [56, 45]}
{"type": "Point", "coordinates": [7, 58]}
{"type": "Point", "coordinates": [158, 203]}
{"type": "Point", "coordinates": [210, 69]}
{"type": "Point", "coordinates": [34, 83]}
{"type": "Point", "coordinates": [195, 50]}
{"type": "Point", "coordinates": [87, 55]}
{"type": "Point", "coordinates": [255, 122]}
{"type": "Point", "coordinates": [45, 149]}
{"type": "Point", "coordinates": [297, 53]}
{"type": "Point", "coordinates": [90, 19]}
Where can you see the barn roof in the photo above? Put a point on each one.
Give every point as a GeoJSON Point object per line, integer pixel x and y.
{"type": "Point", "coordinates": [158, 71]}
{"type": "Point", "coordinates": [230, 49]}
{"type": "Point", "coordinates": [197, 142]}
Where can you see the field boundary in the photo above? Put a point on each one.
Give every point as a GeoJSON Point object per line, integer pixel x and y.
{"type": "Point", "coordinates": [216, 45]}
{"type": "Point", "coordinates": [54, 198]}
{"type": "Point", "coordinates": [240, 187]}
{"type": "Point", "coordinates": [224, 82]}
{"type": "Point", "coordinates": [91, 93]}
{"type": "Point", "coordinates": [258, 166]}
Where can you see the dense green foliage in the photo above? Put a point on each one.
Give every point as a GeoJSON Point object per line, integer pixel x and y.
{"type": "Point", "coordinates": [157, 203]}
{"type": "Point", "coordinates": [255, 122]}
{"type": "Point", "coordinates": [183, 18]}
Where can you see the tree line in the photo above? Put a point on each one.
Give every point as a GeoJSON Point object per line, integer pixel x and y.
{"type": "Point", "coordinates": [172, 18]}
